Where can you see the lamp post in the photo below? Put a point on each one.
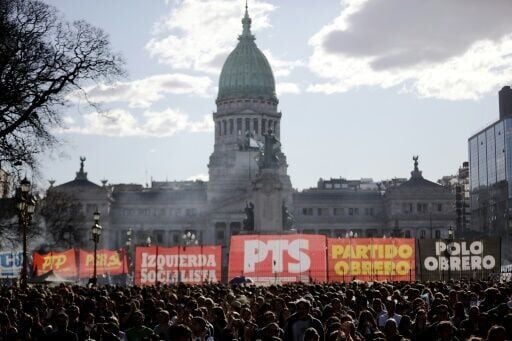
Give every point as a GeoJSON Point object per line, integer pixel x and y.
{"type": "Point", "coordinates": [148, 241]}
{"type": "Point", "coordinates": [128, 248]}
{"type": "Point", "coordinates": [188, 239]}
{"type": "Point", "coordinates": [449, 251]}
{"type": "Point", "coordinates": [95, 236]}
{"type": "Point", "coordinates": [450, 233]}
{"type": "Point", "coordinates": [26, 205]}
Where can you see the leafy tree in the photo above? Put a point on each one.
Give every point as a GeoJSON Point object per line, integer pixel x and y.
{"type": "Point", "coordinates": [62, 215]}
{"type": "Point", "coordinates": [42, 59]}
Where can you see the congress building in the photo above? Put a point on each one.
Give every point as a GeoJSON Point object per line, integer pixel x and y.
{"type": "Point", "coordinates": [249, 189]}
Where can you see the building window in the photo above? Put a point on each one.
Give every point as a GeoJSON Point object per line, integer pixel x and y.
{"type": "Point", "coordinates": [231, 126]}
{"type": "Point", "coordinates": [263, 126]}
{"type": "Point", "coordinates": [338, 211]}
{"type": "Point", "coordinates": [320, 211]}
{"type": "Point", "coordinates": [248, 125]}
{"type": "Point", "coordinates": [224, 127]}
{"type": "Point", "coordinates": [307, 211]}
{"type": "Point", "coordinates": [423, 233]}
{"type": "Point", "coordinates": [421, 208]}
{"type": "Point", "coordinates": [219, 132]}
{"type": "Point", "coordinates": [235, 228]}
{"type": "Point", "coordinates": [239, 126]}
{"type": "Point", "coordinates": [219, 235]}
{"type": "Point", "coordinates": [350, 211]}
{"type": "Point", "coordinates": [159, 237]}
{"type": "Point", "coordinates": [356, 211]}
{"type": "Point", "coordinates": [406, 208]}
{"type": "Point", "coordinates": [438, 234]}
{"type": "Point", "coordinates": [255, 124]}
{"type": "Point", "coordinates": [439, 207]}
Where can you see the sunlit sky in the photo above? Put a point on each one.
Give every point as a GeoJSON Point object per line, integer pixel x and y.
{"type": "Point", "coordinates": [363, 85]}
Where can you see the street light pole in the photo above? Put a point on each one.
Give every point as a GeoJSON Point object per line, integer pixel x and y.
{"type": "Point", "coordinates": [188, 238]}
{"type": "Point", "coordinates": [448, 250]}
{"type": "Point", "coordinates": [95, 234]}
{"type": "Point", "coordinates": [26, 206]}
{"type": "Point", "coordinates": [127, 252]}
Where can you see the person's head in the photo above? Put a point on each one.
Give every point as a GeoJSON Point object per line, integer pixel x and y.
{"type": "Point", "coordinates": [445, 330]}
{"type": "Point", "coordinates": [311, 335]}
{"type": "Point", "coordinates": [73, 312]}
{"type": "Point", "coordinates": [405, 324]}
{"type": "Point", "coordinates": [496, 333]}
{"type": "Point", "coordinates": [474, 312]}
{"type": "Point", "coordinates": [365, 318]}
{"type": "Point", "coordinates": [303, 307]}
{"type": "Point", "coordinates": [61, 321]}
{"type": "Point", "coordinates": [390, 307]}
{"type": "Point", "coordinates": [377, 305]}
{"type": "Point", "coordinates": [138, 318]}
{"type": "Point", "coordinates": [198, 326]}
{"type": "Point", "coordinates": [163, 317]}
{"type": "Point", "coordinates": [390, 328]}
{"type": "Point", "coordinates": [246, 314]}
{"type": "Point", "coordinates": [336, 304]}
{"type": "Point", "coordinates": [218, 314]}
{"type": "Point", "coordinates": [421, 317]}
{"type": "Point", "coordinates": [180, 332]}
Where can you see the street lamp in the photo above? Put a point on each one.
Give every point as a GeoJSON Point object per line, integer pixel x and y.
{"type": "Point", "coordinates": [189, 238]}
{"type": "Point", "coordinates": [450, 233]}
{"type": "Point", "coordinates": [95, 236]}
{"type": "Point", "coordinates": [148, 241]}
{"type": "Point", "coordinates": [128, 248]}
{"type": "Point", "coordinates": [26, 205]}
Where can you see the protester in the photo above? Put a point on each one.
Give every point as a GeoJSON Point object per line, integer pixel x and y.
{"type": "Point", "coordinates": [453, 311]}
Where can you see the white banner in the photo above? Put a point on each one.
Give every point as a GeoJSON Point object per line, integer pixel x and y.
{"type": "Point", "coordinates": [10, 264]}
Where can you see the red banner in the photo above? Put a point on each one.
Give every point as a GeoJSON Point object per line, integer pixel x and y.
{"type": "Point", "coordinates": [111, 262]}
{"type": "Point", "coordinates": [191, 264]}
{"type": "Point", "coordinates": [62, 263]}
{"type": "Point", "coordinates": [269, 259]}
{"type": "Point", "coordinates": [371, 259]}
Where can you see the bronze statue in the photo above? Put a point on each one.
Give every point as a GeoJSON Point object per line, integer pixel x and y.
{"type": "Point", "coordinates": [287, 217]}
{"type": "Point", "coordinates": [271, 151]}
{"type": "Point", "coordinates": [82, 160]}
{"type": "Point", "coordinates": [248, 222]}
{"type": "Point", "coordinates": [415, 159]}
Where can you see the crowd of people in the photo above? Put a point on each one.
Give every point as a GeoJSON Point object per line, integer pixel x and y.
{"type": "Point", "coordinates": [456, 310]}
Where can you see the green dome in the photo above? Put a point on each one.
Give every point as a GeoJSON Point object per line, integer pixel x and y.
{"type": "Point", "coordinates": [246, 72]}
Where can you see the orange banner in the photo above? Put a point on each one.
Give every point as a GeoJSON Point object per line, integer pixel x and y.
{"type": "Point", "coordinates": [190, 264]}
{"type": "Point", "coordinates": [111, 262]}
{"type": "Point", "coordinates": [269, 259]}
{"type": "Point", "coordinates": [62, 263]}
{"type": "Point", "coordinates": [371, 259]}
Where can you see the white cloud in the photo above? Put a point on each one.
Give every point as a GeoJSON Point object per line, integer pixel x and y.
{"type": "Point", "coordinates": [281, 67]}
{"type": "Point", "coordinates": [121, 123]}
{"type": "Point", "coordinates": [201, 176]}
{"type": "Point", "coordinates": [287, 88]}
{"type": "Point", "coordinates": [199, 34]}
{"type": "Point", "coordinates": [142, 93]}
{"type": "Point", "coordinates": [457, 49]}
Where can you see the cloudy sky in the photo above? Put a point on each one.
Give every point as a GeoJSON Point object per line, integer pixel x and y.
{"type": "Point", "coordinates": [363, 85]}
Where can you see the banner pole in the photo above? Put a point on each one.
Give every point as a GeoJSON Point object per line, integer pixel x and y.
{"type": "Point", "coordinates": [156, 266]}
